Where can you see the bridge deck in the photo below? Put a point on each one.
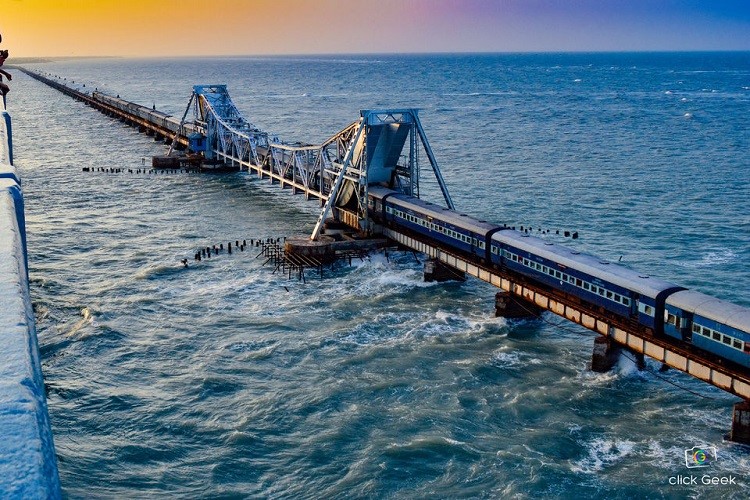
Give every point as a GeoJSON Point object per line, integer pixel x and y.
{"type": "Point", "coordinates": [680, 357]}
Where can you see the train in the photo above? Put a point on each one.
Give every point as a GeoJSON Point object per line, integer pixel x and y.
{"type": "Point", "coordinates": [659, 307]}
{"type": "Point", "coordinates": [163, 120]}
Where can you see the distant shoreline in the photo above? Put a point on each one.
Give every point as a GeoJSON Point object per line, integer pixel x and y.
{"type": "Point", "coordinates": [27, 60]}
{"type": "Point", "coordinates": [47, 59]}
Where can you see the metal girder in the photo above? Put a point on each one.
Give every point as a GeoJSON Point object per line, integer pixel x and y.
{"type": "Point", "coordinates": [371, 150]}
{"type": "Point", "coordinates": [337, 184]}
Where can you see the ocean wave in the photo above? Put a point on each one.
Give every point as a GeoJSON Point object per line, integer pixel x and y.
{"type": "Point", "coordinates": [159, 271]}
{"type": "Point", "coordinates": [86, 320]}
{"type": "Point", "coordinates": [479, 94]}
{"type": "Point", "coordinates": [507, 358]}
{"type": "Point", "coordinates": [429, 446]}
{"type": "Point", "coordinates": [717, 257]}
{"type": "Point", "coordinates": [602, 454]}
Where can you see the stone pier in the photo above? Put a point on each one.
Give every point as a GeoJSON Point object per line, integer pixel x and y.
{"type": "Point", "coordinates": [508, 306]}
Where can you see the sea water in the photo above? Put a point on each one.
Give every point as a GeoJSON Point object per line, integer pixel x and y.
{"type": "Point", "coordinates": [224, 379]}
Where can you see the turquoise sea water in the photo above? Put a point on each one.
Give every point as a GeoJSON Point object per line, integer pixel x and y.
{"type": "Point", "coordinates": [223, 380]}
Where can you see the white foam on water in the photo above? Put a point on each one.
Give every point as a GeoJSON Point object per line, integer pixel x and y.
{"type": "Point", "coordinates": [602, 454]}
{"type": "Point", "coordinates": [715, 257]}
{"type": "Point", "coordinates": [86, 320]}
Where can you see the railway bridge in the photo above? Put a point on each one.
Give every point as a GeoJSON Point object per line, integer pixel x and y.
{"type": "Point", "coordinates": [387, 148]}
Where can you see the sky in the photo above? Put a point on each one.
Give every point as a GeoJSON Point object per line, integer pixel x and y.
{"type": "Point", "coordinates": [157, 28]}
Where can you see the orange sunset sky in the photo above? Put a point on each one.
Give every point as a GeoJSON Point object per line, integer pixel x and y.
{"type": "Point", "coordinates": [246, 27]}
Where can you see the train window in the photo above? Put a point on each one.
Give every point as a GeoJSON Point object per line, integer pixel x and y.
{"type": "Point", "coordinates": [578, 282]}
{"type": "Point", "coordinates": [586, 285]}
{"type": "Point", "coordinates": [706, 332]}
{"type": "Point", "coordinates": [727, 340]}
{"type": "Point", "coordinates": [696, 328]}
{"type": "Point", "coordinates": [737, 344]}
{"type": "Point", "coordinates": [626, 301]}
{"type": "Point", "coordinates": [716, 335]}
{"type": "Point", "coordinates": [646, 309]}
{"type": "Point", "coordinates": [671, 319]}
{"type": "Point", "coordinates": [493, 249]}
{"type": "Point", "coordinates": [609, 294]}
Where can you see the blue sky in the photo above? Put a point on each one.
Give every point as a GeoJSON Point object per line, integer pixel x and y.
{"type": "Point", "coordinates": [248, 27]}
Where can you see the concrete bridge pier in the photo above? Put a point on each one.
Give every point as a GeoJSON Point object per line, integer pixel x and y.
{"type": "Point", "coordinates": [605, 356]}
{"type": "Point", "coordinates": [741, 423]}
{"type": "Point", "coordinates": [434, 270]}
{"type": "Point", "coordinates": [509, 306]}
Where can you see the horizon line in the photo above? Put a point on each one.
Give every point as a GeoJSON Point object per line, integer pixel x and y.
{"type": "Point", "coordinates": [360, 54]}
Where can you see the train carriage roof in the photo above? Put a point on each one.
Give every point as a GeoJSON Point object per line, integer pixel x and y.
{"type": "Point", "coordinates": [718, 310]}
{"type": "Point", "coordinates": [585, 263]}
{"type": "Point", "coordinates": [611, 273]}
{"type": "Point", "coordinates": [457, 219]}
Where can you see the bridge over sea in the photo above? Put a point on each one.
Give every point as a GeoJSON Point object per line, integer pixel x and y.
{"type": "Point", "coordinates": [366, 178]}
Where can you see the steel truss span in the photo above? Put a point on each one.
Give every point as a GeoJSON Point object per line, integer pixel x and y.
{"type": "Point", "coordinates": [382, 147]}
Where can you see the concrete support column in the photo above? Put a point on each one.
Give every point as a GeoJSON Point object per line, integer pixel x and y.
{"type": "Point", "coordinates": [741, 423]}
{"type": "Point", "coordinates": [605, 355]}
{"type": "Point", "coordinates": [509, 306]}
{"type": "Point", "coordinates": [434, 270]}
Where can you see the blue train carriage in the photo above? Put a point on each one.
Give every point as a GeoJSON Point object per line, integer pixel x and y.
{"type": "Point", "coordinates": [615, 288]}
{"type": "Point", "coordinates": [711, 324]}
{"type": "Point", "coordinates": [457, 231]}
